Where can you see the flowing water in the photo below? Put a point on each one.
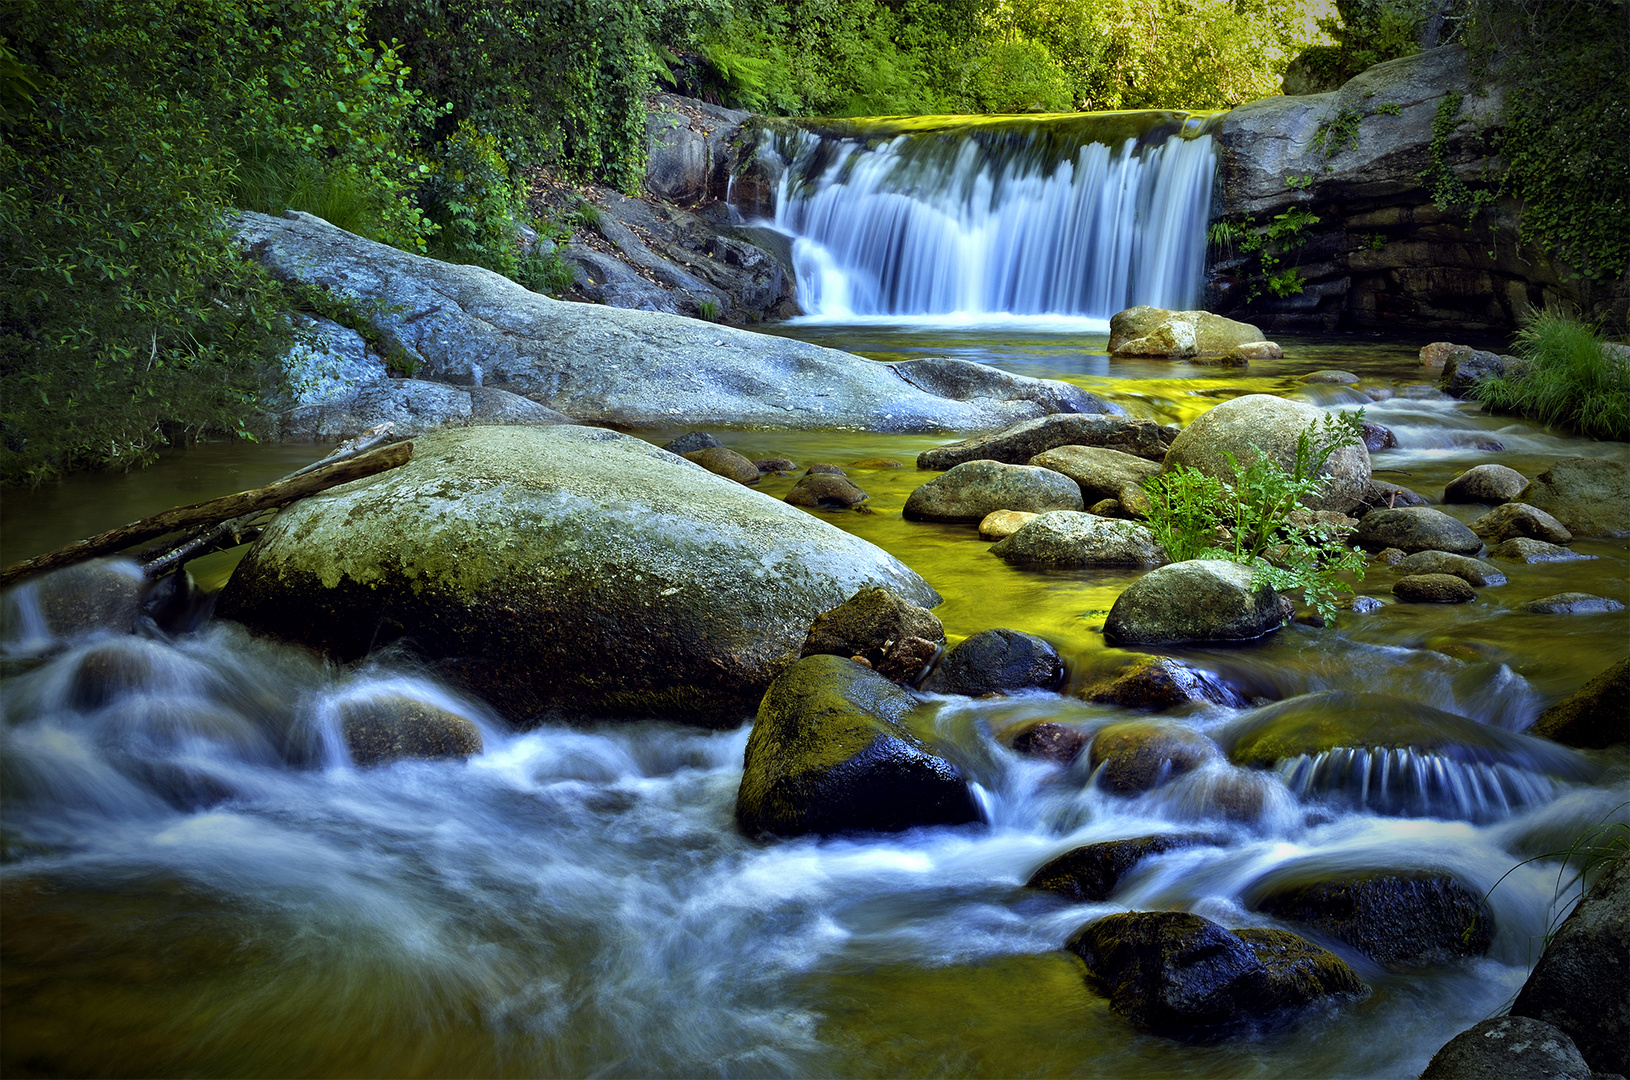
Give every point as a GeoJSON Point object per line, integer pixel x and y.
{"type": "Point", "coordinates": [198, 881]}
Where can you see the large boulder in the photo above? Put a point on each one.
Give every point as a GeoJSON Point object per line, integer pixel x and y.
{"type": "Point", "coordinates": [629, 368]}
{"type": "Point", "coordinates": [1198, 600]}
{"type": "Point", "coordinates": [1508, 1048]}
{"type": "Point", "coordinates": [830, 753]}
{"type": "Point", "coordinates": [1018, 443]}
{"type": "Point", "coordinates": [1246, 425]}
{"type": "Point", "coordinates": [1397, 918]}
{"type": "Point", "coordinates": [1173, 971]}
{"type": "Point", "coordinates": [1579, 982]}
{"type": "Point", "coordinates": [1595, 715]}
{"type": "Point", "coordinates": [1591, 496]}
{"type": "Point", "coordinates": [1156, 332]}
{"type": "Point", "coordinates": [975, 489]}
{"type": "Point", "coordinates": [566, 570]}
{"type": "Point", "coordinates": [1415, 528]}
{"type": "Point", "coordinates": [1070, 540]}
{"type": "Point", "coordinates": [1100, 471]}
{"type": "Point", "coordinates": [1490, 483]}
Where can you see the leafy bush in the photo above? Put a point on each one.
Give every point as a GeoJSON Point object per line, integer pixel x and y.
{"type": "Point", "coordinates": [468, 193]}
{"type": "Point", "coordinates": [1570, 379]}
{"type": "Point", "coordinates": [1256, 517]}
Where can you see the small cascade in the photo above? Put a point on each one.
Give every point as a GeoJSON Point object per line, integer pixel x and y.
{"type": "Point", "coordinates": [1079, 216]}
{"type": "Point", "coordinates": [1405, 781]}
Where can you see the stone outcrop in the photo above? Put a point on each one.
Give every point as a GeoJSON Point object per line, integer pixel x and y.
{"type": "Point", "coordinates": [463, 325]}
{"type": "Point", "coordinates": [560, 570]}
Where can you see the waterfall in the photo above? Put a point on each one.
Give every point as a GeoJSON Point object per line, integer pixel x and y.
{"type": "Point", "coordinates": [1065, 216]}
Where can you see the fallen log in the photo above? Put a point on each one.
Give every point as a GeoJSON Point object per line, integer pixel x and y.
{"type": "Point", "coordinates": [213, 511]}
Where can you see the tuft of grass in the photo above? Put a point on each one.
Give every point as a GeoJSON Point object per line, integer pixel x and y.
{"type": "Point", "coordinates": [1570, 380]}
{"type": "Point", "coordinates": [271, 181]}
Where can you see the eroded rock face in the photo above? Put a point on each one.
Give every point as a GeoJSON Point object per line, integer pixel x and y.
{"type": "Point", "coordinates": [971, 491]}
{"type": "Point", "coordinates": [1271, 425]}
{"type": "Point", "coordinates": [1398, 919]}
{"type": "Point", "coordinates": [1199, 600]}
{"type": "Point", "coordinates": [1579, 982]}
{"type": "Point", "coordinates": [1018, 443]}
{"type": "Point", "coordinates": [1590, 496]}
{"type": "Point", "coordinates": [566, 570]}
{"type": "Point", "coordinates": [1171, 971]}
{"type": "Point", "coordinates": [1510, 1048]}
{"type": "Point", "coordinates": [830, 753]}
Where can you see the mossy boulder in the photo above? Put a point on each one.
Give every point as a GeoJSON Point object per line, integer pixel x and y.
{"type": "Point", "coordinates": [1072, 540]}
{"type": "Point", "coordinates": [1514, 519]}
{"type": "Point", "coordinates": [1170, 971]}
{"type": "Point", "coordinates": [1595, 715]}
{"type": "Point", "coordinates": [563, 570]}
{"type": "Point", "coordinates": [1198, 600]}
{"type": "Point", "coordinates": [1140, 755]}
{"type": "Point", "coordinates": [1415, 528]}
{"type": "Point", "coordinates": [1472, 571]}
{"type": "Point", "coordinates": [1433, 589]}
{"type": "Point", "coordinates": [1157, 332]}
{"type": "Point", "coordinates": [1401, 919]}
{"type": "Point", "coordinates": [830, 753]}
{"type": "Point", "coordinates": [1590, 496]}
{"type": "Point", "coordinates": [895, 637]}
{"type": "Point", "coordinates": [1092, 873]}
{"type": "Point", "coordinates": [1271, 425]}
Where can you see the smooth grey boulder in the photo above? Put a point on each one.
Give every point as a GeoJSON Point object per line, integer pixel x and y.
{"type": "Point", "coordinates": [974, 489]}
{"type": "Point", "coordinates": [1595, 715]}
{"type": "Point", "coordinates": [413, 406]}
{"type": "Point", "coordinates": [1070, 540]}
{"type": "Point", "coordinates": [1493, 484]}
{"type": "Point", "coordinates": [1261, 422]}
{"type": "Point", "coordinates": [1591, 496]}
{"type": "Point", "coordinates": [560, 570]}
{"type": "Point", "coordinates": [1398, 918]}
{"type": "Point", "coordinates": [1415, 528]}
{"type": "Point", "coordinates": [1519, 519]}
{"type": "Point", "coordinates": [1573, 603]}
{"type": "Point", "coordinates": [620, 367]}
{"type": "Point", "coordinates": [1473, 571]}
{"type": "Point", "coordinates": [1524, 549]}
{"type": "Point", "coordinates": [1173, 971]}
{"type": "Point", "coordinates": [1100, 471]}
{"type": "Point", "coordinates": [1580, 980]}
{"type": "Point", "coordinates": [1433, 589]}
{"type": "Point", "coordinates": [830, 753]}
{"type": "Point", "coordinates": [1198, 600]}
{"type": "Point", "coordinates": [998, 661]}
{"type": "Point", "coordinates": [1508, 1048]}
{"type": "Point", "coordinates": [1018, 443]}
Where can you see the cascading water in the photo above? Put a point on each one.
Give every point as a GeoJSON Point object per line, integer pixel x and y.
{"type": "Point", "coordinates": [1068, 216]}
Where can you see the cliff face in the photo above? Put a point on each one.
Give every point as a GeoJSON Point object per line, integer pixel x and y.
{"type": "Point", "coordinates": [1364, 159]}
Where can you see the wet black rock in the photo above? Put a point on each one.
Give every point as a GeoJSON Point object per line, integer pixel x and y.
{"type": "Point", "coordinates": [1573, 603]}
{"type": "Point", "coordinates": [723, 462]}
{"type": "Point", "coordinates": [1415, 528]}
{"type": "Point", "coordinates": [1595, 715]}
{"type": "Point", "coordinates": [998, 662]}
{"type": "Point", "coordinates": [1050, 741]}
{"type": "Point", "coordinates": [378, 731]}
{"type": "Point", "coordinates": [1433, 589]}
{"type": "Point", "coordinates": [1159, 682]}
{"type": "Point", "coordinates": [1508, 1048]}
{"type": "Point", "coordinates": [895, 637]}
{"type": "Point", "coordinates": [1093, 872]}
{"type": "Point", "coordinates": [1398, 919]}
{"type": "Point", "coordinates": [1171, 971]}
{"type": "Point", "coordinates": [1490, 483]}
{"type": "Point", "coordinates": [826, 491]}
{"type": "Point", "coordinates": [1018, 443]}
{"type": "Point", "coordinates": [1579, 982]}
{"type": "Point", "coordinates": [691, 442]}
{"type": "Point", "coordinates": [1378, 437]}
{"type": "Point", "coordinates": [1141, 755]}
{"type": "Point", "coordinates": [105, 594]}
{"type": "Point", "coordinates": [830, 753]}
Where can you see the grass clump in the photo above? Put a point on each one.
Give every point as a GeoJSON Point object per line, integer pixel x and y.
{"type": "Point", "coordinates": [1570, 379]}
{"type": "Point", "coordinates": [1255, 517]}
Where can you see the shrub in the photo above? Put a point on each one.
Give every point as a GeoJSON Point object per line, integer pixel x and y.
{"type": "Point", "coordinates": [1255, 518]}
{"type": "Point", "coordinates": [1569, 380]}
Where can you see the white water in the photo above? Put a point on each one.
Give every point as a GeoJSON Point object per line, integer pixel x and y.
{"type": "Point", "coordinates": [878, 233]}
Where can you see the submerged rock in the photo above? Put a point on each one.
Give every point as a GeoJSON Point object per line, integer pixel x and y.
{"type": "Point", "coordinates": [1157, 332]}
{"type": "Point", "coordinates": [101, 595]}
{"type": "Point", "coordinates": [381, 730]}
{"type": "Point", "coordinates": [1493, 484]}
{"type": "Point", "coordinates": [895, 637]}
{"type": "Point", "coordinates": [1524, 549]}
{"type": "Point", "coordinates": [690, 442]}
{"type": "Point", "coordinates": [1595, 715]}
{"type": "Point", "coordinates": [830, 753]}
{"type": "Point", "coordinates": [1415, 528]}
{"type": "Point", "coordinates": [1472, 571]}
{"type": "Point", "coordinates": [1159, 682]}
{"type": "Point", "coordinates": [1199, 600]}
{"type": "Point", "coordinates": [998, 662]}
{"type": "Point", "coordinates": [1018, 443]}
{"type": "Point", "coordinates": [1519, 519]}
{"type": "Point", "coordinates": [1272, 426]}
{"type": "Point", "coordinates": [970, 491]}
{"type": "Point", "coordinates": [1508, 1048]}
{"type": "Point", "coordinates": [1071, 540]}
{"type": "Point", "coordinates": [561, 569]}
{"type": "Point", "coordinates": [1396, 918]}
{"type": "Point", "coordinates": [826, 491]}
{"type": "Point", "coordinates": [1433, 589]}
{"type": "Point", "coordinates": [1573, 603]}
{"type": "Point", "coordinates": [1092, 873]}
{"type": "Point", "coordinates": [1590, 496]}
{"type": "Point", "coordinates": [1579, 982]}
{"type": "Point", "coordinates": [1173, 971]}
{"type": "Point", "coordinates": [1100, 472]}
{"type": "Point", "coordinates": [1140, 755]}
{"type": "Point", "coordinates": [1053, 742]}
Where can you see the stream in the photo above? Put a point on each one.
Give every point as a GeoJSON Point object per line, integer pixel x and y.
{"type": "Point", "coordinates": [184, 894]}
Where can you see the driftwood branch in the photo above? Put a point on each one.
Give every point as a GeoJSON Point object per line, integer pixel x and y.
{"type": "Point", "coordinates": [214, 511]}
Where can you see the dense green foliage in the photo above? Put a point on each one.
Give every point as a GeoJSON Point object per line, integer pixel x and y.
{"type": "Point", "coordinates": [1255, 518]}
{"type": "Point", "coordinates": [1569, 379]}
{"type": "Point", "coordinates": [1368, 32]}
